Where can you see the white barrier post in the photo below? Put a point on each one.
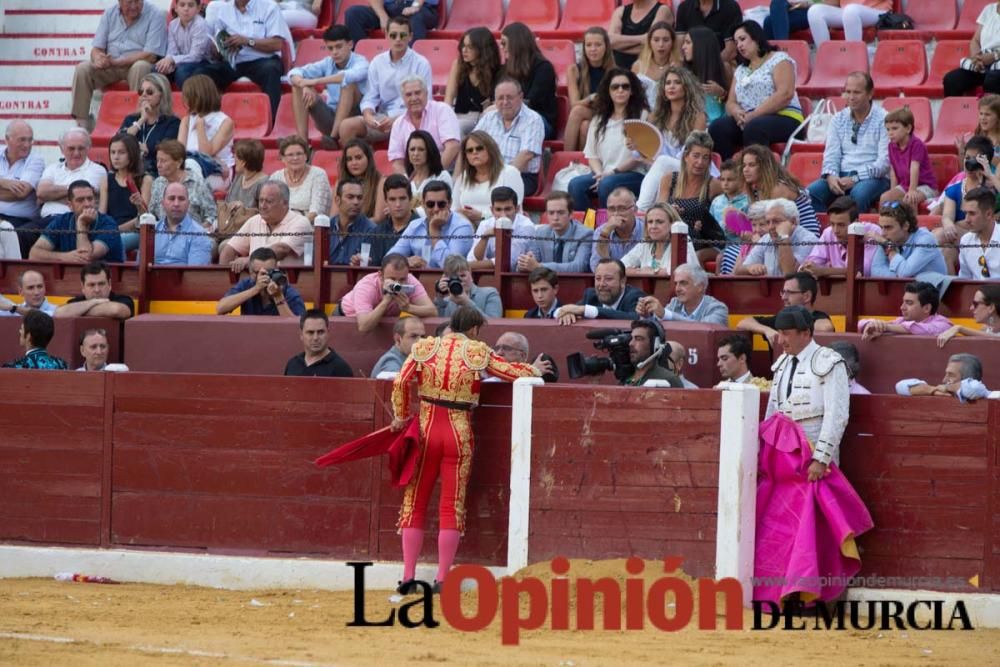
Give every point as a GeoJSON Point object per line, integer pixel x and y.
{"type": "Point", "coordinates": [737, 509]}
{"type": "Point", "coordinates": [520, 473]}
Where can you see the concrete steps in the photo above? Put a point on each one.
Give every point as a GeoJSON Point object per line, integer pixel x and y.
{"type": "Point", "coordinates": [30, 103]}
{"type": "Point", "coordinates": [78, 23]}
{"type": "Point", "coordinates": [57, 48]}
{"type": "Point", "coordinates": [36, 75]}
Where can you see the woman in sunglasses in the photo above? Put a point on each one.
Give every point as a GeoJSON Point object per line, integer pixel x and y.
{"type": "Point", "coordinates": [480, 168]}
{"type": "Point", "coordinates": [985, 311]}
{"type": "Point", "coordinates": [154, 121]}
{"type": "Point", "coordinates": [620, 97]}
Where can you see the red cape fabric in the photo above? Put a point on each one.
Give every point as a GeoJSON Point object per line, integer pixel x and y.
{"type": "Point", "coordinates": [403, 449]}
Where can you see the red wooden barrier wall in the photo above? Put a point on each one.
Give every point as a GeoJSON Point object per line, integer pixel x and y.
{"type": "Point", "coordinates": [224, 464]}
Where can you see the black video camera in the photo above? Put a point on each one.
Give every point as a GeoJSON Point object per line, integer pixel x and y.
{"type": "Point", "coordinates": [615, 342]}
{"type": "Point", "coordinates": [278, 277]}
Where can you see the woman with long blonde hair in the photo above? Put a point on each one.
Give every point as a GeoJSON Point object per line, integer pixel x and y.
{"type": "Point", "coordinates": [691, 190]}
{"type": "Point", "coordinates": [652, 256]}
{"type": "Point", "coordinates": [582, 81]}
{"type": "Point", "coordinates": [657, 54]}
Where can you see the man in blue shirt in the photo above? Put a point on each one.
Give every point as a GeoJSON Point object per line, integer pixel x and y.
{"type": "Point", "coordinates": [899, 255]}
{"type": "Point", "coordinates": [260, 294]}
{"type": "Point", "coordinates": [345, 75]}
{"type": "Point", "coordinates": [422, 15]}
{"type": "Point", "coordinates": [179, 239]}
{"type": "Point", "coordinates": [349, 229]}
{"type": "Point", "coordinates": [96, 234]}
{"type": "Point", "coordinates": [427, 241]}
{"type": "Point", "coordinates": [35, 333]}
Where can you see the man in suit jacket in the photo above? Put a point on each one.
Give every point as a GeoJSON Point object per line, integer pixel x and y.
{"type": "Point", "coordinates": [609, 299]}
{"type": "Point", "coordinates": [544, 284]}
{"type": "Point", "coordinates": [563, 244]}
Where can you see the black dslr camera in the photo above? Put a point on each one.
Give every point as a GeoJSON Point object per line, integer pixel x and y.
{"type": "Point", "coordinates": [615, 342]}
{"type": "Point", "coordinates": [454, 286]}
{"type": "Point", "coordinates": [278, 277]}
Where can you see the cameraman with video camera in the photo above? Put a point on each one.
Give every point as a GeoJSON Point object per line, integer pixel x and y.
{"type": "Point", "coordinates": [455, 289]}
{"type": "Point", "coordinates": [265, 292]}
{"type": "Point", "coordinates": [635, 357]}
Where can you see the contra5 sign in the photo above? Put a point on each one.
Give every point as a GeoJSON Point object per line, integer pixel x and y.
{"type": "Point", "coordinates": [552, 601]}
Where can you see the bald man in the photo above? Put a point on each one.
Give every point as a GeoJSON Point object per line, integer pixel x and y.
{"type": "Point", "coordinates": [678, 358]}
{"type": "Point", "coordinates": [179, 239]}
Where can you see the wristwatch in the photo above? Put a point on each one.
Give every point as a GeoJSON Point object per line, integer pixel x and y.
{"type": "Point", "coordinates": [251, 42]}
{"type": "Point", "coordinates": [13, 308]}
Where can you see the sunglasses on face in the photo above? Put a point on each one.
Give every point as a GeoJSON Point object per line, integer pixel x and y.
{"type": "Point", "coordinates": [147, 91]}
{"type": "Point", "coordinates": [471, 150]}
{"type": "Point", "coordinates": [855, 128]}
{"type": "Point", "coordinates": [398, 35]}
{"type": "Point", "coordinates": [431, 205]}
{"type": "Point", "coordinates": [623, 86]}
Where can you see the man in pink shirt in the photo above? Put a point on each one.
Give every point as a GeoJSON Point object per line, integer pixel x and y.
{"type": "Point", "coordinates": [829, 258]}
{"type": "Point", "coordinates": [423, 113]}
{"type": "Point", "coordinates": [919, 315]}
{"type": "Point", "coordinates": [385, 294]}
{"type": "Point", "coordinates": [284, 231]}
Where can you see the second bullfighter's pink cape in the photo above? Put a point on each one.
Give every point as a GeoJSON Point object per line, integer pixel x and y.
{"type": "Point", "coordinates": [805, 530]}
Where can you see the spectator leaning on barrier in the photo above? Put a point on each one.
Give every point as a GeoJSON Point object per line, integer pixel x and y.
{"type": "Point", "coordinates": [389, 292]}
{"type": "Point", "coordinates": [276, 227]}
{"type": "Point", "coordinates": [504, 204]}
{"type": "Point", "coordinates": [544, 284]}
{"type": "Point", "coordinates": [345, 76]}
{"type": "Point", "coordinates": [799, 289]}
{"type": "Point", "coordinates": [427, 241]}
{"type": "Point", "coordinates": [856, 155]}
{"type": "Point", "coordinates": [97, 299]}
{"type": "Point", "coordinates": [34, 335]}
{"type": "Point", "coordinates": [690, 303]}
{"type": "Point", "coordinates": [31, 287]}
{"type": "Point", "coordinates": [179, 239]}
{"type": "Point", "coordinates": [405, 332]}
{"type": "Point", "coordinates": [919, 315]}
{"type": "Point", "coordinates": [130, 37]}
{"type": "Point", "coordinates": [905, 249]}
{"type": "Point", "coordinates": [265, 292]}
{"type": "Point", "coordinates": [563, 244]}
{"type": "Point", "coordinates": [456, 289]}
{"type": "Point", "coordinates": [82, 235]}
{"type": "Point", "coordinates": [784, 247]}
{"type": "Point", "coordinates": [963, 379]}
{"type": "Point", "coordinates": [20, 171]}
{"type": "Point", "coordinates": [317, 358]}
{"type": "Point", "coordinates": [609, 299]}
{"type": "Point", "coordinates": [985, 311]}
{"type": "Point", "coordinates": [979, 249]}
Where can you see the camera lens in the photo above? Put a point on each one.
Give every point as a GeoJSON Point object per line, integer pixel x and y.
{"type": "Point", "coordinates": [971, 164]}
{"type": "Point", "coordinates": [455, 285]}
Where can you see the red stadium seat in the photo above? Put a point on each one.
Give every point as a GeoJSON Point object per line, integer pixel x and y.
{"type": "Point", "coordinates": [929, 221]}
{"type": "Point", "coordinates": [309, 51]}
{"type": "Point", "coordinates": [325, 18]}
{"type": "Point", "coordinates": [558, 161]}
{"type": "Point", "coordinates": [562, 114]}
{"type": "Point", "coordinates": [578, 15]}
{"type": "Point", "coordinates": [561, 53]}
{"type": "Point", "coordinates": [966, 26]}
{"type": "Point", "coordinates": [897, 64]}
{"type": "Point", "coordinates": [834, 61]}
{"type": "Point", "coordinates": [284, 125]}
{"type": "Point", "coordinates": [328, 161]}
{"type": "Point", "coordinates": [750, 4]}
{"type": "Point", "coordinates": [921, 108]}
{"type": "Point", "coordinates": [369, 48]}
{"type": "Point", "coordinates": [929, 17]}
{"type": "Point", "coordinates": [947, 54]}
{"type": "Point", "coordinates": [467, 14]}
{"type": "Point", "coordinates": [957, 116]}
{"type": "Point", "coordinates": [99, 155]}
{"type": "Point", "coordinates": [343, 6]}
{"type": "Point", "coordinates": [115, 105]}
{"type": "Point", "coordinates": [799, 52]}
{"type": "Point", "coordinates": [945, 167]}
{"type": "Point", "coordinates": [382, 162]}
{"type": "Point", "coordinates": [536, 14]}
{"type": "Point", "coordinates": [272, 161]}
{"type": "Point", "coordinates": [806, 167]}
{"type": "Point", "coordinates": [251, 114]}
{"type": "Point", "coordinates": [441, 53]}
{"type": "Point", "coordinates": [177, 101]}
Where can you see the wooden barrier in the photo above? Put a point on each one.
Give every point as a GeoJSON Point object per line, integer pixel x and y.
{"type": "Point", "coordinates": [262, 345]}
{"type": "Point", "coordinates": [224, 464]}
{"type": "Point", "coordinates": [851, 296]}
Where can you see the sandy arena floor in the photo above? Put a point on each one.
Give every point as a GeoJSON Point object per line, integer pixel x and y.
{"type": "Point", "coordinates": [47, 623]}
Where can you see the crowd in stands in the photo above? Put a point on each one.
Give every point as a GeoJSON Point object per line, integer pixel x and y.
{"type": "Point", "coordinates": [461, 161]}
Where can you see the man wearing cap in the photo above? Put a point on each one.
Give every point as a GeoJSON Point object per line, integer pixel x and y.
{"type": "Point", "coordinates": [810, 387]}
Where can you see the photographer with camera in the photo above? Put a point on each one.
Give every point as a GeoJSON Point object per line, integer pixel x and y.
{"type": "Point", "coordinates": [265, 292]}
{"type": "Point", "coordinates": [635, 357]}
{"type": "Point", "coordinates": [455, 289]}
{"type": "Point", "coordinates": [386, 294]}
